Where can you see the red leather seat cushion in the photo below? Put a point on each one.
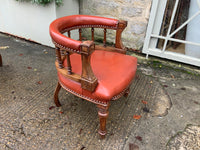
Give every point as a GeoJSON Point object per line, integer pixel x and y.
{"type": "Point", "coordinates": [114, 72]}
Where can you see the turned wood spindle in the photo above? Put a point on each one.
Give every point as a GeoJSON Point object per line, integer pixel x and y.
{"type": "Point", "coordinates": [69, 67]}
{"type": "Point", "coordinates": [80, 36]}
{"type": "Point", "coordinates": [92, 30]}
{"type": "Point", "coordinates": [58, 57]}
{"type": "Point", "coordinates": [104, 40]}
{"type": "Point", "coordinates": [69, 34]}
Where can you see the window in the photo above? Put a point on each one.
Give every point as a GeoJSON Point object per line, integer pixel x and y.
{"type": "Point", "coordinates": [173, 31]}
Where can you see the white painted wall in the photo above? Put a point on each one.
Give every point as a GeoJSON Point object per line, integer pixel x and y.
{"type": "Point", "coordinates": [31, 21]}
{"type": "Point", "coordinates": [193, 32]}
{"type": "Point", "coordinates": [70, 7]}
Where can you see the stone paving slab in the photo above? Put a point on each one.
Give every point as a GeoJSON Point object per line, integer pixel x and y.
{"type": "Point", "coordinates": [188, 139]}
{"type": "Point", "coordinates": [166, 99]}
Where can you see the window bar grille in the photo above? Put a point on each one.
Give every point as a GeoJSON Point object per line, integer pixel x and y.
{"type": "Point", "coordinates": [170, 25]}
{"type": "Point", "coordinates": [190, 19]}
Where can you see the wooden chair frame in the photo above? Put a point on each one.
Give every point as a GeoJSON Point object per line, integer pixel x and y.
{"type": "Point", "coordinates": [87, 79]}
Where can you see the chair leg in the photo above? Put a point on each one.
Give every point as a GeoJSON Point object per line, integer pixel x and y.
{"type": "Point", "coordinates": [0, 61]}
{"type": "Point", "coordinates": [56, 100]}
{"type": "Point", "coordinates": [103, 115]}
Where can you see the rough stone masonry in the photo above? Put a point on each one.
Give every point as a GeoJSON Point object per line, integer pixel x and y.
{"type": "Point", "coordinates": [136, 12]}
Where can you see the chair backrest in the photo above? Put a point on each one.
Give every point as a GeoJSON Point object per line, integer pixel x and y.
{"type": "Point", "coordinates": [68, 23]}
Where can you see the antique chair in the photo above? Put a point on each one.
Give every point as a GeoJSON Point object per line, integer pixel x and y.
{"type": "Point", "coordinates": [92, 72]}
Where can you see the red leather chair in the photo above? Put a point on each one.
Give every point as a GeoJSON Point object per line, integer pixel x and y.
{"type": "Point", "coordinates": [95, 73]}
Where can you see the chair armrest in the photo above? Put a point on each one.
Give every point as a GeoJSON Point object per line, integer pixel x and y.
{"type": "Point", "coordinates": [87, 78]}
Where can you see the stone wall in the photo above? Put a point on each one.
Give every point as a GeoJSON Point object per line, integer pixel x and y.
{"type": "Point", "coordinates": [136, 12]}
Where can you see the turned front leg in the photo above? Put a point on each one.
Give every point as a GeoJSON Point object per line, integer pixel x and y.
{"type": "Point", "coordinates": [103, 115]}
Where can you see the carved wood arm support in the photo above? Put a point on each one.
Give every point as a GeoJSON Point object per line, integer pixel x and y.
{"type": "Point", "coordinates": [87, 79]}
{"type": "Point", "coordinates": [118, 41]}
